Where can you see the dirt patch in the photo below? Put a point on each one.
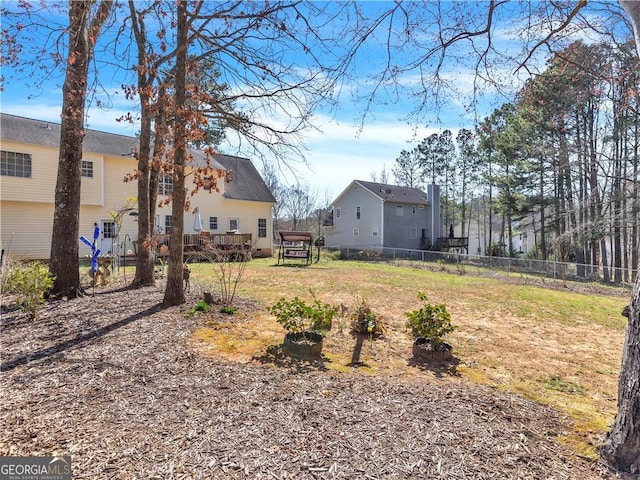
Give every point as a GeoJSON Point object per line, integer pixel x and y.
{"type": "Point", "coordinates": [123, 387]}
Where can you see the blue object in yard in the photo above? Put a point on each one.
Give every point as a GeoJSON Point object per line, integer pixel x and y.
{"type": "Point", "coordinates": [95, 252]}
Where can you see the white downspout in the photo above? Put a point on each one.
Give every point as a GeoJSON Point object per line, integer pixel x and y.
{"type": "Point", "coordinates": [381, 225]}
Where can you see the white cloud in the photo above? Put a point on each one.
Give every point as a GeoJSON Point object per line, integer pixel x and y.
{"type": "Point", "coordinates": [36, 111]}
{"type": "Point", "coordinates": [339, 153]}
{"type": "Point", "coordinates": [336, 153]}
{"type": "Point", "coordinates": [49, 107]}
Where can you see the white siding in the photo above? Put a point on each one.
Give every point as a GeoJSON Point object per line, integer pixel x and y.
{"type": "Point", "coordinates": [26, 204]}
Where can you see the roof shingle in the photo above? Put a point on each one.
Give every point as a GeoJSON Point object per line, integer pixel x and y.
{"type": "Point", "coordinates": [246, 183]}
{"type": "Point", "coordinates": [395, 192]}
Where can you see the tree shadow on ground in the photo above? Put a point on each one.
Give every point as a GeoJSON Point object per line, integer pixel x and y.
{"type": "Point", "coordinates": [77, 342]}
{"type": "Point", "coordinates": [439, 368]}
{"type": "Point", "coordinates": [91, 290]}
{"type": "Point", "coordinates": [357, 352]}
{"type": "Point", "coordinates": [275, 355]}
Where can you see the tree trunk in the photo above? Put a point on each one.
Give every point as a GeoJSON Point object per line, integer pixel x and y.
{"type": "Point", "coordinates": [144, 258]}
{"type": "Point", "coordinates": [174, 293]}
{"type": "Point", "coordinates": [543, 216]}
{"type": "Point", "coordinates": [64, 255]}
{"type": "Point", "coordinates": [635, 203]}
{"type": "Point", "coordinates": [622, 449]}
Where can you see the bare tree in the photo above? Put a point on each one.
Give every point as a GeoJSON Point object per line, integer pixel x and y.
{"type": "Point", "coordinates": [380, 177]}
{"type": "Point", "coordinates": [299, 205]}
{"type": "Point", "coordinates": [85, 24]}
{"type": "Point", "coordinates": [270, 177]}
{"type": "Point", "coordinates": [322, 214]}
{"type": "Point", "coordinates": [257, 50]}
{"type": "Point", "coordinates": [174, 294]}
{"type": "Point", "coordinates": [152, 96]}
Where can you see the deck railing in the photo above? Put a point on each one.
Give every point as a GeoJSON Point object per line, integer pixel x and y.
{"type": "Point", "coordinates": [446, 243]}
{"type": "Point", "coordinates": [194, 242]}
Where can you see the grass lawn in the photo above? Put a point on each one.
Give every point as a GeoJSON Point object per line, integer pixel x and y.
{"type": "Point", "coordinates": [551, 345]}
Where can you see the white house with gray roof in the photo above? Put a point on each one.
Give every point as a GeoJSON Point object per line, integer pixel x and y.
{"type": "Point", "coordinates": [375, 215]}
{"type": "Point", "coordinates": [28, 169]}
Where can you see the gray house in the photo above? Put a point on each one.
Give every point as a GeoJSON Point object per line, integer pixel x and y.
{"type": "Point", "coordinates": [375, 215]}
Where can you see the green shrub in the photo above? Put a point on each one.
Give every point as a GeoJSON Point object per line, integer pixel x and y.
{"type": "Point", "coordinates": [201, 306]}
{"type": "Point", "coordinates": [29, 282]}
{"type": "Point", "coordinates": [297, 316]}
{"type": "Point", "coordinates": [228, 309]}
{"type": "Point", "coordinates": [497, 250]}
{"type": "Point", "coordinates": [430, 321]}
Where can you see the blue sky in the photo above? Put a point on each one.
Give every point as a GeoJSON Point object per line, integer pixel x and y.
{"type": "Point", "coordinates": [339, 150]}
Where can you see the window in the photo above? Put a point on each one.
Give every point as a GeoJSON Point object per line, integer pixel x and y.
{"type": "Point", "coordinates": [374, 232]}
{"type": "Point", "coordinates": [262, 227]}
{"type": "Point", "coordinates": [157, 225]}
{"type": "Point", "coordinates": [213, 223]}
{"type": "Point", "coordinates": [165, 184]}
{"type": "Point", "coordinates": [400, 210]}
{"type": "Point", "coordinates": [168, 223]}
{"type": "Point", "coordinates": [208, 183]}
{"type": "Point", "coordinates": [356, 232]}
{"type": "Point", "coordinates": [87, 169]}
{"type": "Point", "coordinates": [358, 212]}
{"type": "Point", "coordinates": [108, 229]}
{"type": "Point", "coordinates": [413, 233]}
{"type": "Point", "coordinates": [13, 164]}
{"type": "Point", "coordinates": [234, 224]}
{"type": "Point", "coordinates": [338, 212]}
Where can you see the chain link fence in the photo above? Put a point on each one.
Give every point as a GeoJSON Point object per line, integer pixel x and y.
{"type": "Point", "coordinates": [542, 268]}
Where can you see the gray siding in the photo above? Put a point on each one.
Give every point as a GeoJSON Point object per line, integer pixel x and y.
{"type": "Point", "coordinates": [370, 218]}
{"type": "Point", "coordinates": [418, 227]}
{"type": "Point", "coordinates": [398, 228]}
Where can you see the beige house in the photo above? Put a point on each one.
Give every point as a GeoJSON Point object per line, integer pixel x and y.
{"type": "Point", "coordinates": [28, 169]}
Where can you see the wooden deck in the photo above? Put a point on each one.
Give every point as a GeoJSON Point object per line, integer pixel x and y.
{"type": "Point", "coordinates": [222, 246]}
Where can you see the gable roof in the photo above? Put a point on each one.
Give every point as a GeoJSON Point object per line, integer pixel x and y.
{"type": "Point", "coordinates": [246, 183]}
{"type": "Point", "coordinates": [392, 193]}
{"type": "Point", "coordinates": [38, 132]}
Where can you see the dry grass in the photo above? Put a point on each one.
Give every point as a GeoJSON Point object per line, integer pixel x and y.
{"type": "Point", "coordinates": [556, 345]}
{"type": "Point", "coordinates": [133, 390]}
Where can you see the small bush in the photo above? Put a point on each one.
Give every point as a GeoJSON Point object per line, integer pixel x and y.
{"type": "Point", "coordinates": [228, 309]}
{"type": "Point", "coordinates": [431, 322]}
{"type": "Point", "coordinates": [29, 282]}
{"type": "Point", "coordinates": [365, 320]}
{"type": "Point", "coordinates": [297, 316]}
{"type": "Point", "coordinates": [201, 306]}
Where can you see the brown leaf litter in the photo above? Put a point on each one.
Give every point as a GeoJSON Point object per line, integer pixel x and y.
{"type": "Point", "coordinates": [113, 381]}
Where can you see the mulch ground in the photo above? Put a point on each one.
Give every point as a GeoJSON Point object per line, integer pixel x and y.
{"type": "Point", "coordinates": [114, 381]}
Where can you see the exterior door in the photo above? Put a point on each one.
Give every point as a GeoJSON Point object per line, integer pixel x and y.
{"type": "Point", "coordinates": [107, 238]}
